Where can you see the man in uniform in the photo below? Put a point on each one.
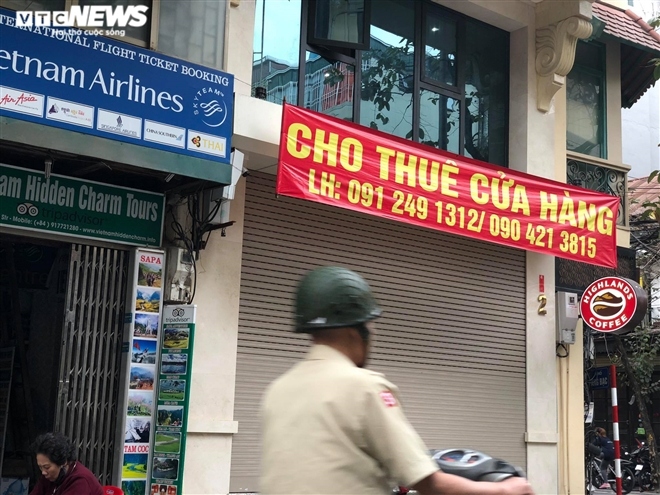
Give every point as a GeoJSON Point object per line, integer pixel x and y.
{"type": "Point", "coordinates": [332, 427]}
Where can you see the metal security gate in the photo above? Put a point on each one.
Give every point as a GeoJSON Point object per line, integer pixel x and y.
{"type": "Point", "coordinates": [90, 354]}
{"type": "Point", "coordinates": [452, 335]}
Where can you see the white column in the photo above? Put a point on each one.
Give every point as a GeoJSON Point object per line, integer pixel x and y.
{"type": "Point", "coordinates": [210, 419]}
{"type": "Point", "coordinates": [531, 144]}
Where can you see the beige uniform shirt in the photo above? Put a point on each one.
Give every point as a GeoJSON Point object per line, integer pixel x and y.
{"type": "Point", "coordinates": [330, 427]}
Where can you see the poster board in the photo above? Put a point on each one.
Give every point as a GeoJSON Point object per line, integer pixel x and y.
{"type": "Point", "coordinates": [140, 366]}
{"type": "Point", "coordinates": [174, 378]}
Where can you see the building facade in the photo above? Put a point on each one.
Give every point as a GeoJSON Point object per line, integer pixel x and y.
{"type": "Point", "coordinates": [469, 329]}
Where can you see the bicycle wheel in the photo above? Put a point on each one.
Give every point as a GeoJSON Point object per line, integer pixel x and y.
{"type": "Point", "coordinates": [627, 479]}
{"type": "Point", "coordinates": [593, 479]}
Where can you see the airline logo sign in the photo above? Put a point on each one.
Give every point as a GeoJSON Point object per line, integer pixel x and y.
{"type": "Point", "coordinates": [66, 77]}
{"type": "Point", "coordinates": [163, 133]}
{"type": "Point", "coordinates": [72, 113]}
{"type": "Point", "coordinates": [125, 125]}
{"type": "Point", "coordinates": [16, 100]}
{"type": "Point", "coordinates": [206, 143]}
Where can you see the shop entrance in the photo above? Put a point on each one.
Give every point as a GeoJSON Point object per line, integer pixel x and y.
{"type": "Point", "coordinates": [60, 348]}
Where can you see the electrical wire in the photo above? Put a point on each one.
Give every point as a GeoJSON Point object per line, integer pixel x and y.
{"type": "Point", "coordinates": [564, 354]}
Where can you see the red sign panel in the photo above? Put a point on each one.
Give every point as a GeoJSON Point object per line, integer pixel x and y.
{"type": "Point", "coordinates": [613, 305]}
{"type": "Point", "coordinates": [331, 161]}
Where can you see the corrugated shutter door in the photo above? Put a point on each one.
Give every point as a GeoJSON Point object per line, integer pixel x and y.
{"type": "Point", "coordinates": [452, 336]}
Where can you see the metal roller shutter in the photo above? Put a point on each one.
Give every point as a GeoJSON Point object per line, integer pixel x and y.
{"type": "Point", "coordinates": [452, 336]}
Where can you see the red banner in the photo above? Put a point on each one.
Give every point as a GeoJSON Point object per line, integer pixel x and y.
{"type": "Point", "coordinates": [339, 163]}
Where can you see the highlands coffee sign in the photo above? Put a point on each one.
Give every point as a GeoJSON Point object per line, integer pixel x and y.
{"type": "Point", "coordinates": [613, 305]}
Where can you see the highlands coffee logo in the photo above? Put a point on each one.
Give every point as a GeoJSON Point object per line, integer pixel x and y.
{"type": "Point", "coordinates": [613, 305]}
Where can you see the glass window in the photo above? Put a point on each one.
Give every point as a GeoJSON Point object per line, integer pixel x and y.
{"type": "Point", "coordinates": [440, 49]}
{"type": "Point", "coordinates": [452, 94]}
{"type": "Point", "coordinates": [339, 22]}
{"type": "Point", "coordinates": [440, 118]}
{"type": "Point", "coordinates": [329, 86]}
{"type": "Point", "coordinates": [277, 49]}
{"type": "Point", "coordinates": [387, 69]}
{"type": "Point", "coordinates": [585, 101]}
{"type": "Point", "coordinates": [193, 31]}
{"type": "Point", "coordinates": [137, 35]}
{"type": "Point", "coordinates": [486, 93]}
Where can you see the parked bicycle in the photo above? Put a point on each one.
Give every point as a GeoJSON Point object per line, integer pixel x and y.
{"type": "Point", "coordinates": [594, 479]}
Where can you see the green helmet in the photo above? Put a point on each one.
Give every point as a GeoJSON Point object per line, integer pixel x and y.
{"type": "Point", "coordinates": [333, 297]}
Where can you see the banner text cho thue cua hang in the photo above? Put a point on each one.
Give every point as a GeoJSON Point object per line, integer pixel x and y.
{"type": "Point", "coordinates": [331, 161]}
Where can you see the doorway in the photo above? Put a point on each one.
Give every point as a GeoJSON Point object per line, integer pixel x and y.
{"type": "Point", "coordinates": [63, 324]}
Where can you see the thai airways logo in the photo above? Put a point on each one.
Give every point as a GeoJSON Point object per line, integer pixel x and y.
{"type": "Point", "coordinates": [88, 16]}
{"type": "Point", "coordinates": [197, 141]}
{"type": "Point", "coordinates": [209, 104]}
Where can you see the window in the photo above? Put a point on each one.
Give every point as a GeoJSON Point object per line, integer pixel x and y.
{"type": "Point", "coordinates": [329, 86]}
{"type": "Point", "coordinates": [192, 31]}
{"type": "Point", "coordinates": [427, 73]}
{"type": "Point", "coordinates": [585, 101]}
{"type": "Point", "coordinates": [342, 23]}
{"type": "Point", "coordinates": [277, 49]}
{"type": "Point", "coordinates": [386, 97]}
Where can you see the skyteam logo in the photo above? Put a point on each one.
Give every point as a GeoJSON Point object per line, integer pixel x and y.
{"type": "Point", "coordinates": [88, 16]}
{"type": "Point", "coordinates": [209, 103]}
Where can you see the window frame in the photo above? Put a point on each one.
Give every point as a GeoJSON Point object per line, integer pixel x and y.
{"type": "Point", "coordinates": [354, 57]}
{"type": "Point", "coordinates": [602, 77]}
{"type": "Point", "coordinates": [325, 42]}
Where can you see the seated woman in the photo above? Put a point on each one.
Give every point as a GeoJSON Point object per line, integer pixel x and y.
{"type": "Point", "coordinates": [62, 474]}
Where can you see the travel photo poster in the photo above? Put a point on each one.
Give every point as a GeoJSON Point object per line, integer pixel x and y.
{"type": "Point", "coordinates": [173, 398]}
{"type": "Point", "coordinates": [142, 372]}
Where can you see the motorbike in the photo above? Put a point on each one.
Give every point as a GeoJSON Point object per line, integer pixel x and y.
{"type": "Point", "coordinates": [470, 464]}
{"type": "Point", "coordinates": [641, 461]}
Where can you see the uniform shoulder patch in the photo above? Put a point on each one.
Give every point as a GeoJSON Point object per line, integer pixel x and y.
{"type": "Point", "coordinates": [388, 398]}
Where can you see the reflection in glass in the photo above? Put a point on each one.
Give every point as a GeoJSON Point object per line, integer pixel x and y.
{"type": "Point", "coordinates": [584, 110]}
{"type": "Point", "coordinates": [486, 93]}
{"type": "Point", "coordinates": [329, 86]}
{"type": "Point", "coordinates": [139, 33]}
{"type": "Point", "coordinates": [276, 49]}
{"type": "Point", "coordinates": [439, 121]}
{"type": "Point", "coordinates": [339, 20]}
{"type": "Point", "coordinates": [440, 49]}
{"type": "Point", "coordinates": [193, 31]}
{"type": "Point", "coordinates": [387, 69]}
